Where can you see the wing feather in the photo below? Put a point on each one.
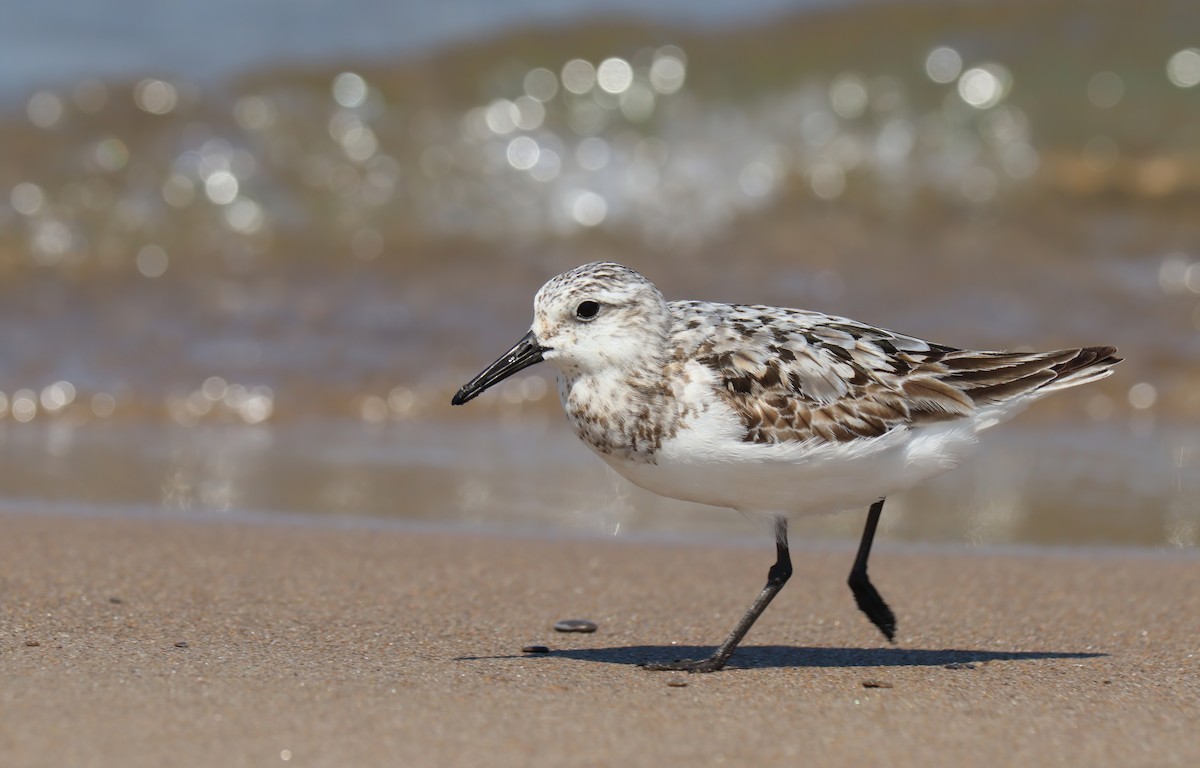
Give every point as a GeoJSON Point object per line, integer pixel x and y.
{"type": "Point", "coordinates": [794, 375]}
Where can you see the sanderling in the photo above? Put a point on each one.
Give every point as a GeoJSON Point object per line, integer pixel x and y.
{"type": "Point", "coordinates": [766, 410]}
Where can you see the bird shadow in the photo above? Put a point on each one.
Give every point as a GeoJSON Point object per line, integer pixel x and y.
{"type": "Point", "coordinates": [777, 656]}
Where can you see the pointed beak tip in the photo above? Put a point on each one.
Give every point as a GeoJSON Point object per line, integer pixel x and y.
{"type": "Point", "coordinates": [525, 353]}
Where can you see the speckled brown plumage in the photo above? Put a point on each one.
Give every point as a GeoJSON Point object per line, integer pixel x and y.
{"type": "Point", "coordinates": [797, 375]}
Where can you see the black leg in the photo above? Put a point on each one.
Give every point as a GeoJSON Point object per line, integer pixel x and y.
{"type": "Point", "coordinates": [865, 594]}
{"type": "Point", "coordinates": [780, 572]}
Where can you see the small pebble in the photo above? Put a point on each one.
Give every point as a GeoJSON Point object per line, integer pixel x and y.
{"type": "Point", "coordinates": [960, 665]}
{"type": "Point", "coordinates": [181, 644]}
{"type": "Point", "coordinates": [876, 684]}
{"type": "Point", "coordinates": [535, 649]}
{"type": "Point", "coordinates": [32, 643]}
{"type": "Point", "coordinates": [116, 600]}
{"type": "Point", "coordinates": [575, 625]}
{"type": "Point", "coordinates": [675, 682]}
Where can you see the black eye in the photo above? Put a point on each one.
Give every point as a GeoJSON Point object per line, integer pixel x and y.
{"type": "Point", "coordinates": [587, 310]}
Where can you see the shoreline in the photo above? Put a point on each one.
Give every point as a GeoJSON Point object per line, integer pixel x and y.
{"type": "Point", "coordinates": [537, 532]}
{"type": "Point", "coordinates": [334, 646]}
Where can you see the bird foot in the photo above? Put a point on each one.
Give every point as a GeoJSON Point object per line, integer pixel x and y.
{"type": "Point", "coordinates": [871, 603]}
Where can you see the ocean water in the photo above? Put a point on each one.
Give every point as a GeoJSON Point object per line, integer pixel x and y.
{"type": "Point", "coordinates": [63, 41]}
{"type": "Point", "coordinates": [248, 253]}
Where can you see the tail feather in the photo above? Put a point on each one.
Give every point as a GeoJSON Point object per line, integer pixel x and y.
{"type": "Point", "coordinates": [1090, 364]}
{"type": "Point", "coordinates": [993, 378]}
{"type": "Point", "coordinates": [1011, 389]}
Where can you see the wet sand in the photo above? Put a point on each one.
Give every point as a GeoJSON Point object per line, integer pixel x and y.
{"type": "Point", "coordinates": [133, 642]}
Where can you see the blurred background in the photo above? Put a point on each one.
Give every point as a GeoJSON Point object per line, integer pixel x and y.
{"type": "Point", "coordinates": [249, 250]}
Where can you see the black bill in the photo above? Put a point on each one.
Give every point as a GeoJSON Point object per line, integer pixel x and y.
{"type": "Point", "coordinates": [525, 353]}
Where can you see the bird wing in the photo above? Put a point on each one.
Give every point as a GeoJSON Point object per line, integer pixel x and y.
{"type": "Point", "coordinates": [795, 375]}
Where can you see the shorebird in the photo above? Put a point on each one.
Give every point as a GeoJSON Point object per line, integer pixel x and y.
{"type": "Point", "coordinates": [767, 410]}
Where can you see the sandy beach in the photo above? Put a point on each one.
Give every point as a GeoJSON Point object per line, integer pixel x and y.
{"type": "Point", "coordinates": [140, 643]}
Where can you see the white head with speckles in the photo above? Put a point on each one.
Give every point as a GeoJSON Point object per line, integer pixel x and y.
{"type": "Point", "coordinates": [600, 316]}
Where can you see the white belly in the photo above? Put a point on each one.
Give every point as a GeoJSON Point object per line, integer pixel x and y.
{"type": "Point", "coordinates": [708, 463]}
